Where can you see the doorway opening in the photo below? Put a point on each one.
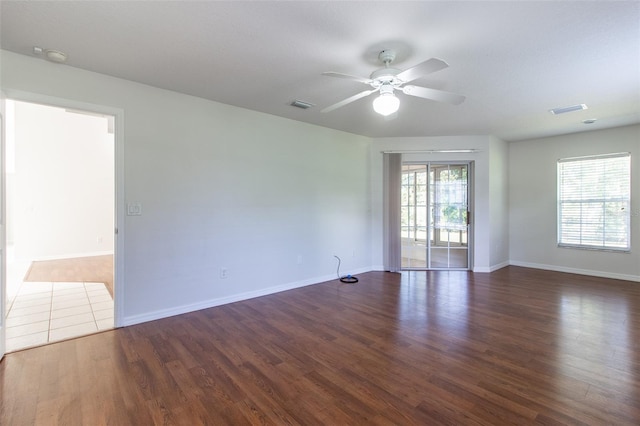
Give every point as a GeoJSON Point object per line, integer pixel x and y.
{"type": "Point", "coordinates": [60, 196]}
{"type": "Point", "coordinates": [435, 216]}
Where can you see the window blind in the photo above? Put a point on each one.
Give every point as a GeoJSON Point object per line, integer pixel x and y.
{"type": "Point", "coordinates": [594, 202]}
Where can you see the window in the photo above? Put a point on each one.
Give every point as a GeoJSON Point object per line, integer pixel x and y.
{"type": "Point", "coordinates": [413, 209]}
{"type": "Point", "coordinates": [594, 202]}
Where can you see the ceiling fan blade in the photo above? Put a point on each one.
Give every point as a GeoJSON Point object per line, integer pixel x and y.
{"type": "Point", "coordinates": [433, 94]}
{"type": "Point", "coordinates": [423, 68]}
{"type": "Point", "coordinates": [348, 76]}
{"type": "Point", "coordinates": [349, 100]}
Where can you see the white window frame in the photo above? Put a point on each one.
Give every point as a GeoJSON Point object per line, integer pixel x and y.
{"type": "Point", "coordinates": [593, 200]}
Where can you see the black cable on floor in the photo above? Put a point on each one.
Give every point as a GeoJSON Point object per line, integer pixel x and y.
{"type": "Point", "coordinates": [348, 279]}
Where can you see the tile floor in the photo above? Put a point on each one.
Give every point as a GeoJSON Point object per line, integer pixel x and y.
{"type": "Point", "coordinates": [43, 312]}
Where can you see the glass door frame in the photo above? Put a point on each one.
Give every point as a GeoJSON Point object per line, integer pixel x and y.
{"type": "Point", "coordinates": [430, 226]}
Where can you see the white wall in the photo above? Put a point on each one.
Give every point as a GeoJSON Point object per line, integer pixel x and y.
{"type": "Point", "coordinates": [489, 235]}
{"type": "Point", "coordinates": [532, 203]}
{"type": "Point", "coordinates": [220, 187]}
{"type": "Point", "coordinates": [499, 203]}
{"type": "Point", "coordinates": [272, 200]}
{"type": "Point", "coordinates": [60, 196]}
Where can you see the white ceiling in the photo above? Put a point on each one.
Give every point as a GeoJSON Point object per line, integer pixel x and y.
{"type": "Point", "coordinates": [512, 60]}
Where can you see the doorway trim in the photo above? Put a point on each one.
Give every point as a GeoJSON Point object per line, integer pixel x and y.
{"type": "Point", "coordinates": [119, 198]}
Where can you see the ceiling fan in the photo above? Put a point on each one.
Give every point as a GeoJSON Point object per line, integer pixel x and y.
{"type": "Point", "coordinates": [386, 80]}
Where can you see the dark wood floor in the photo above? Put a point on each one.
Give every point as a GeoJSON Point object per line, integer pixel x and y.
{"type": "Point", "coordinates": [517, 346]}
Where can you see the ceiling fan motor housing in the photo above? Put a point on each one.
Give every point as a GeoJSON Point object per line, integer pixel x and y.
{"type": "Point", "coordinates": [385, 76]}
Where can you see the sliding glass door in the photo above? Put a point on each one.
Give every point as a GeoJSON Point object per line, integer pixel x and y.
{"type": "Point", "coordinates": [434, 216]}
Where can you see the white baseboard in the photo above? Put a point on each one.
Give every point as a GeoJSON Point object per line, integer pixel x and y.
{"type": "Point", "coordinates": [380, 268]}
{"type": "Point", "coordinates": [601, 274]}
{"type": "Point", "coordinates": [491, 268]}
{"type": "Point", "coordinates": [179, 310]}
{"type": "Point", "coordinates": [183, 309]}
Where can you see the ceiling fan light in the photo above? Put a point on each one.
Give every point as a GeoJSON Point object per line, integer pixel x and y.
{"type": "Point", "coordinates": [386, 104]}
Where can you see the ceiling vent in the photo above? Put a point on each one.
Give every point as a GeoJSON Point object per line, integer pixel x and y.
{"type": "Point", "coordinates": [302, 104]}
{"type": "Point", "coordinates": [563, 110]}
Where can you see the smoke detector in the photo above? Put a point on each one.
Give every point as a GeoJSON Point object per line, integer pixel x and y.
{"type": "Point", "coordinates": [50, 54]}
{"type": "Point", "coordinates": [55, 56]}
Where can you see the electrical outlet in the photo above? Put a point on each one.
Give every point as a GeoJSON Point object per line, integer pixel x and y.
{"type": "Point", "coordinates": [224, 273]}
{"type": "Point", "coordinates": [299, 259]}
{"type": "Point", "coordinates": [134, 209]}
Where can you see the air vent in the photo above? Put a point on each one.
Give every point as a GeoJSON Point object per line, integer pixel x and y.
{"type": "Point", "coordinates": [302, 104]}
{"type": "Point", "coordinates": [563, 110]}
